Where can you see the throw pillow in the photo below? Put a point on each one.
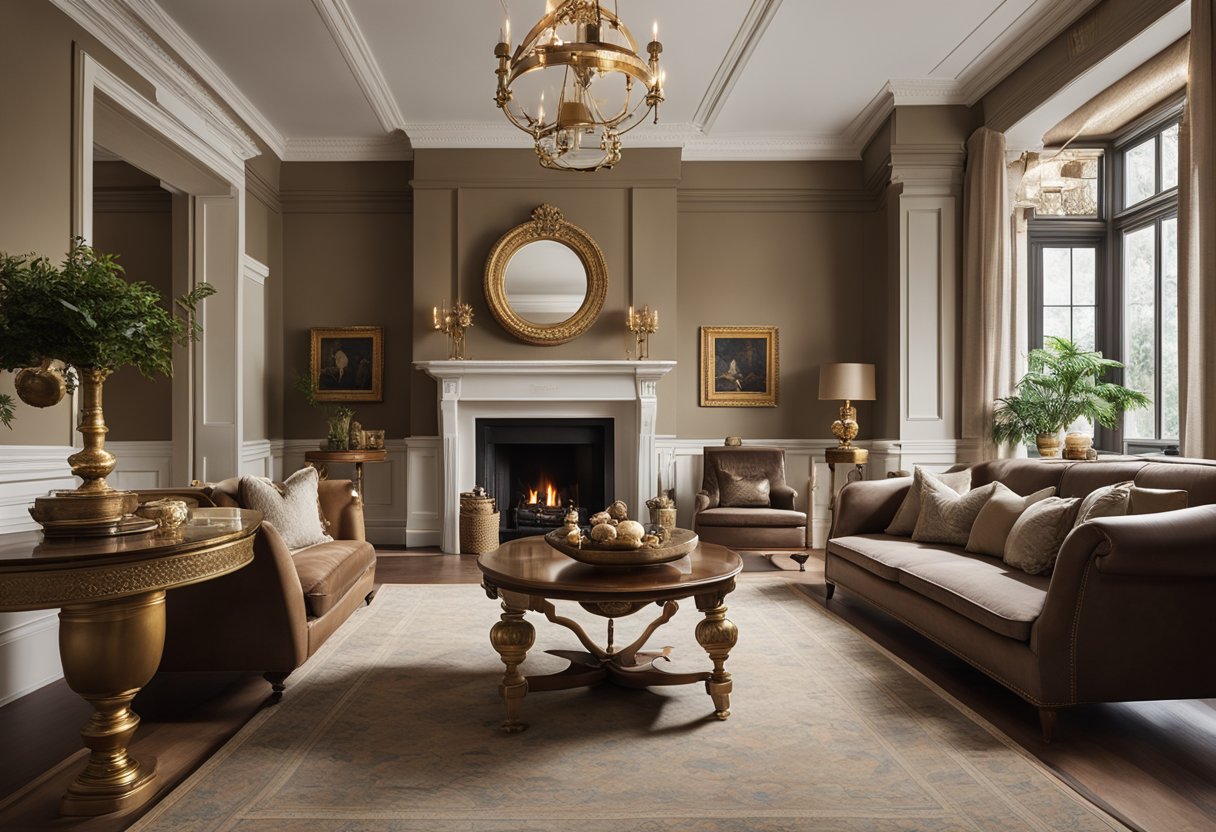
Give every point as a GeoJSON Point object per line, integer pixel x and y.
{"type": "Point", "coordinates": [996, 518]}
{"type": "Point", "coordinates": [947, 516]}
{"type": "Point", "coordinates": [905, 518]}
{"type": "Point", "coordinates": [1107, 501]}
{"type": "Point", "coordinates": [735, 491]}
{"type": "Point", "coordinates": [1153, 500]}
{"type": "Point", "coordinates": [295, 510]}
{"type": "Point", "coordinates": [1036, 537]}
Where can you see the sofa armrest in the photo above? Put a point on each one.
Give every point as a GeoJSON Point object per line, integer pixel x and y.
{"type": "Point", "coordinates": [703, 502]}
{"type": "Point", "coordinates": [343, 508]}
{"type": "Point", "coordinates": [1172, 544]}
{"type": "Point", "coordinates": [867, 506]}
{"type": "Point", "coordinates": [782, 496]}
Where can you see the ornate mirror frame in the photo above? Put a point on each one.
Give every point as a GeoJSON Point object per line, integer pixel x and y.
{"type": "Point", "coordinates": [547, 223]}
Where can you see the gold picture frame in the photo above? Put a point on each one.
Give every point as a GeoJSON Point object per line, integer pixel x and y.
{"type": "Point", "coordinates": [347, 363]}
{"type": "Point", "coordinates": [739, 366]}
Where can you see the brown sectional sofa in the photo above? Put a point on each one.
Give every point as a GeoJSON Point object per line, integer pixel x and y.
{"type": "Point", "coordinates": [273, 614]}
{"type": "Point", "coordinates": [1129, 612]}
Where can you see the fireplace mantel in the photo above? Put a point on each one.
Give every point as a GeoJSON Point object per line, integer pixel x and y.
{"type": "Point", "coordinates": [627, 391]}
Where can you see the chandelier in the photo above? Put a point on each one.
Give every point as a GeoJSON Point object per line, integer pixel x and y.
{"type": "Point", "coordinates": [581, 62]}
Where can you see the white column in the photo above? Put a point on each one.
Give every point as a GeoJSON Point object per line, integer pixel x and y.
{"type": "Point", "coordinates": [648, 414]}
{"type": "Point", "coordinates": [449, 397]}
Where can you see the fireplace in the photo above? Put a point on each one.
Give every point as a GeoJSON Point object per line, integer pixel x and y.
{"type": "Point", "coordinates": [537, 467]}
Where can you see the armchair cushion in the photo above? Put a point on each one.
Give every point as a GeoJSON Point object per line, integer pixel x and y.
{"type": "Point", "coordinates": [743, 491]}
{"type": "Point", "coordinates": [328, 570]}
{"type": "Point", "coordinates": [751, 517]}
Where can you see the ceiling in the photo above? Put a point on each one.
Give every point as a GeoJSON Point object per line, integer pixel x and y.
{"type": "Point", "coordinates": [799, 79]}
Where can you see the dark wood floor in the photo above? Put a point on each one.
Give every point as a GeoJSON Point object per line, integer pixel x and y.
{"type": "Point", "coordinates": [1151, 764]}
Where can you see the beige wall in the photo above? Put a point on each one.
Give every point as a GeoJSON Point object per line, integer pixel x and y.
{"type": "Point", "coordinates": [347, 258]}
{"type": "Point", "coordinates": [263, 417]}
{"type": "Point", "coordinates": [132, 218]}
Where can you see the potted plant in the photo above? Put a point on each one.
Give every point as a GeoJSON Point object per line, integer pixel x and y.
{"type": "Point", "coordinates": [337, 417]}
{"type": "Point", "coordinates": [74, 325]}
{"type": "Point", "coordinates": [1063, 383]}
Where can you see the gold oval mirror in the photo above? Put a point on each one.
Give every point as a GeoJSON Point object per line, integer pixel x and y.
{"type": "Point", "coordinates": [546, 279]}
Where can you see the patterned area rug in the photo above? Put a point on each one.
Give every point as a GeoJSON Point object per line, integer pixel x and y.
{"type": "Point", "coordinates": [393, 725]}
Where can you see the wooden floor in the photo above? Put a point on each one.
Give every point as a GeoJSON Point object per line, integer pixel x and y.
{"type": "Point", "coordinates": [1151, 764]}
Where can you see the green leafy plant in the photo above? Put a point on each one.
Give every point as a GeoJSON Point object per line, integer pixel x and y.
{"type": "Point", "coordinates": [337, 417]}
{"type": "Point", "coordinates": [1063, 383]}
{"type": "Point", "coordinates": [87, 316]}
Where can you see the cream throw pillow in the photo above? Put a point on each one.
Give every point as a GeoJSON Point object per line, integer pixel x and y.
{"type": "Point", "coordinates": [996, 518]}
{"type": "Point", "coordinates": [1036, 537]}
{"type": "Point", "coordinates": [904, 522]}
{"type": "Point", "coordinates": [1153, 500]}
{"type": "Point", "coordinates": [1107, 501]}
{"type": "Point", "coordinates": [295, 511]}
{"type": "Point", "coordinates": [946, 516]}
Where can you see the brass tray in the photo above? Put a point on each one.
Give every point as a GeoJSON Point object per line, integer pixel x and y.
{"type": "Point", "coordinates": [681, 542]}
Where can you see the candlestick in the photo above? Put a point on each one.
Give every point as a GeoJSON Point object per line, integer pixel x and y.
{"type": "Point", "coordinates": [642, 323]}
{"type": "Point", "coordinates": [453, 323]}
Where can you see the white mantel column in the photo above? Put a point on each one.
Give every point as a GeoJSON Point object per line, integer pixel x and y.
{"type": "Point", "coordinates": [648, 414]}
{"type": "Point", "coordinates": [449, 398]}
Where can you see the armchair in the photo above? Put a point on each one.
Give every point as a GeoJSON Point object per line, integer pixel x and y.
{"type": "Point", "coordinates": [744, 501]}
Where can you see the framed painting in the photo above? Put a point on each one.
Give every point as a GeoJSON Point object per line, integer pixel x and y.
{"type": "Point", "coordinates": [347, 363]}
{"type": "Point", "coordinates": [739, 366]}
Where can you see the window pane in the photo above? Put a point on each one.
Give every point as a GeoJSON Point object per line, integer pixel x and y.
{"type": "Point", "coordinates": [1057, 321]}
{"type": "Point", "coordinates": [1140, 172]}
{"type": "Point", "coordinates": [1057, 276]}
{"type": "Point", "coordinates": [1139, 325]}
{"type": "Point", "coordinates": [1083, 327]}
{"type": "Point", "coordinates": [1169, 158]}
{"type": "Point", "coordinates": [1084, 276]}
{"type": "Point", "coordinates": [1169, 329]}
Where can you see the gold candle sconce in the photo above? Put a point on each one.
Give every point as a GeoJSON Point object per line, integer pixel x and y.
{"type": "Point", "coordinates": [453, 322]}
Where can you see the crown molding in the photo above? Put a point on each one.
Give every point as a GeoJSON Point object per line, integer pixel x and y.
{"type": "Point", "coordinates": [117, 24]}
{"type": "Point", "coordinates": [772, 200]}
{"type": "Point", "coordinates": [321, 201]}
{"type": "Point", "coordinates": [167, 29]}
{"type": "Point", "coordinates": [349, 149]}
{"type": "Point", "coordinates": [261, 190]}
{"type": "Point", "coordinates": [357, 52]}
{"type": "Point", "coordinates": [759, 15]}
{"type": "Point", "coordinates": [778, 148]}
{"type": "Point", "coordinates": [140, 199]}
{"type": "Point", "coordinates": [254, 269]}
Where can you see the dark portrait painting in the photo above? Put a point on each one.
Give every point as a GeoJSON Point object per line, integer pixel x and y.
{"type": "Point", "coordinates": [347, 363]}
{"type": "Point", "coordinates": [739, 366]}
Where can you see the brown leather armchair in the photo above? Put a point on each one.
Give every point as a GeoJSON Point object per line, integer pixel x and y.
{"type": "Point", "coordinates": [273, 614]}
{"type": "Point", "coordinates": [744, 501]}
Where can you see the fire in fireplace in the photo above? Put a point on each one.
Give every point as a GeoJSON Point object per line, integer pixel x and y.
{"type": "Point", "coordinates": [539, 468]}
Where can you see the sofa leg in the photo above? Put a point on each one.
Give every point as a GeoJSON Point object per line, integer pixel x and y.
{"type": "Point", "coordinates": [831, 588]}
{"type": "Point", "coordinates": [1047, 723]}
{"type": "Point", "coordinates": [277, 684]}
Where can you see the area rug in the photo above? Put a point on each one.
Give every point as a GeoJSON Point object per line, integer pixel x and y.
{"type": "Point", "coordinates": [394, 725]}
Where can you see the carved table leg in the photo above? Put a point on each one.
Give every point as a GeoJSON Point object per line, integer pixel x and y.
{"type": "Point", "coordinates": [717, 634]}
{"type": "Point", "coordinates": [109, 651]}
{"type": "Point", "coordinates": [512, 636]}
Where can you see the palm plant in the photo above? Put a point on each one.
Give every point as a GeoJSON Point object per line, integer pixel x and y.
{"type": "Point", "coordinates": [1063, 383]}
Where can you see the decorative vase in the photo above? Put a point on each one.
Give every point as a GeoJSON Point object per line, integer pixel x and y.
{"type": "Point", "coordinates": [1048, 445]}
{"type": "Point", "coordinates": [41, 386]}
{"type": "Point", "coordinates": [339, 432]}
{"type": "Point", "coordinates": [1077, 446]}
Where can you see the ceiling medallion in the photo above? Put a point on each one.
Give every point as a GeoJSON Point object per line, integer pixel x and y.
{"type": "Point", "coordinates": [582, 59]}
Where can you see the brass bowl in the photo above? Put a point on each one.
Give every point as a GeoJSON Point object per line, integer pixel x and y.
{"type": "Point", "coordinates": [679, 544]}
{"type": "Point", "coordinates": [168, 514]}
{"type": "Point", "coordinates": [80, 513]}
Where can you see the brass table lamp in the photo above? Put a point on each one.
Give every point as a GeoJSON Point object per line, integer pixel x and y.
{"type": "Point", "coordinates": [850, 383]}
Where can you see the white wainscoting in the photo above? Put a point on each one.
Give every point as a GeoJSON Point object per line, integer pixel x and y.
{"type": "Point", "coordinates": [424, 495]}
{"type": "Point", "coordinates": [384, 485]}
{"type": "Point", "coordinates": [29, 641]}
{"type": "Point", "coordinates": [142, 465]}
{"type": "Point", "coordinates": [257, 458]}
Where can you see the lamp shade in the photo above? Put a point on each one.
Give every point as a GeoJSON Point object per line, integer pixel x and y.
{"type": "Point", "coordinates": [838, 382]}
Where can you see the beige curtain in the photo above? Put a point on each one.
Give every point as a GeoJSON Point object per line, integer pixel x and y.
{"type": "Point", "coordinates": [993, 319]}
{"type": "Point", "coordinates": [1197, 243]}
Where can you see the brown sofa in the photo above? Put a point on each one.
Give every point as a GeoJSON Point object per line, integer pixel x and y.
{"type": "Point", "coordinates": [274, 613]}
{"type": "Point", "coordinates": [776, 526]}
{"type": "Point", "coordinates": [1127, 613]}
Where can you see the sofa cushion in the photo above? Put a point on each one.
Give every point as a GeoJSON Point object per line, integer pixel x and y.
{"type": "Point", "coordinates": [1005, 600]}
{"type": "Point", "coordinates": [946, 516]}
{"type": "Point", "coordinates": [885, 555]}
{"type": "Point", "coordinates": [1197, 477]}
{"type": "Point", "coordinates": [328, 570]}
{"type": "Point", "coordinates": [996, 518]}
{"type": "Point", "coordinates": [295, 510]}
{"type": "Point", "coordinates": [1107, 501]}
{"type": "Point", "coordinates": [756, 517]}
{"type": "Point", "coordinates": [1036, 537]}
{"type": "Point", "coordinates": [904, 522]}
{"type": "Point", "coordinates": [743, 491]}
{"type": "Point", "coordinates": [1154, 500]}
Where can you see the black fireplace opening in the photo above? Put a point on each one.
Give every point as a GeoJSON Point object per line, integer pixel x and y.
{"type": "Point", "coordinates": [537, 468]}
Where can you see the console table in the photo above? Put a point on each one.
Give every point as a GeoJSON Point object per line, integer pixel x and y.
{"type": "Point", "coordinates": [111, 591]}
{"type": "Point", "coordinates": [321, 459]}
{"type": "Point", "coordinates": [527, 573]}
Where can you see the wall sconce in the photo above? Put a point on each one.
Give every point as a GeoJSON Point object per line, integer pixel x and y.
{"type": "Point", "coordinates": [452, 323]}
{"type": "Point", "coordinates": [847, 382]}
{"type": "Point", "coordinates": [642, 323]}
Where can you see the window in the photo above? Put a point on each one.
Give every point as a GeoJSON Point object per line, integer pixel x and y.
{"type": "Point", "coordinates": [1104, 271]}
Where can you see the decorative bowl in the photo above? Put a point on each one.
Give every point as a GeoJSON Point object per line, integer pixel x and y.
{"type": "Point", "coordinates": [679, 544]}
{"type": "Point", "coordinates": [168, 514]}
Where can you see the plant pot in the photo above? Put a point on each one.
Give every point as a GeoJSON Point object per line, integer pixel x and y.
{"type": "Point", "coordinates": [1048, 445]}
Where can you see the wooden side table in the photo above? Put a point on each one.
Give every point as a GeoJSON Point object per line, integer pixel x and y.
{"type": "Point", "coordinates": [112, 627]}
{"type": "Point", "coordinates": [321, 460]}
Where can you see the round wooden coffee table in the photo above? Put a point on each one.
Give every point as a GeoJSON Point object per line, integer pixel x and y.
{"type": "Point", "coordinates": [528, 574]}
